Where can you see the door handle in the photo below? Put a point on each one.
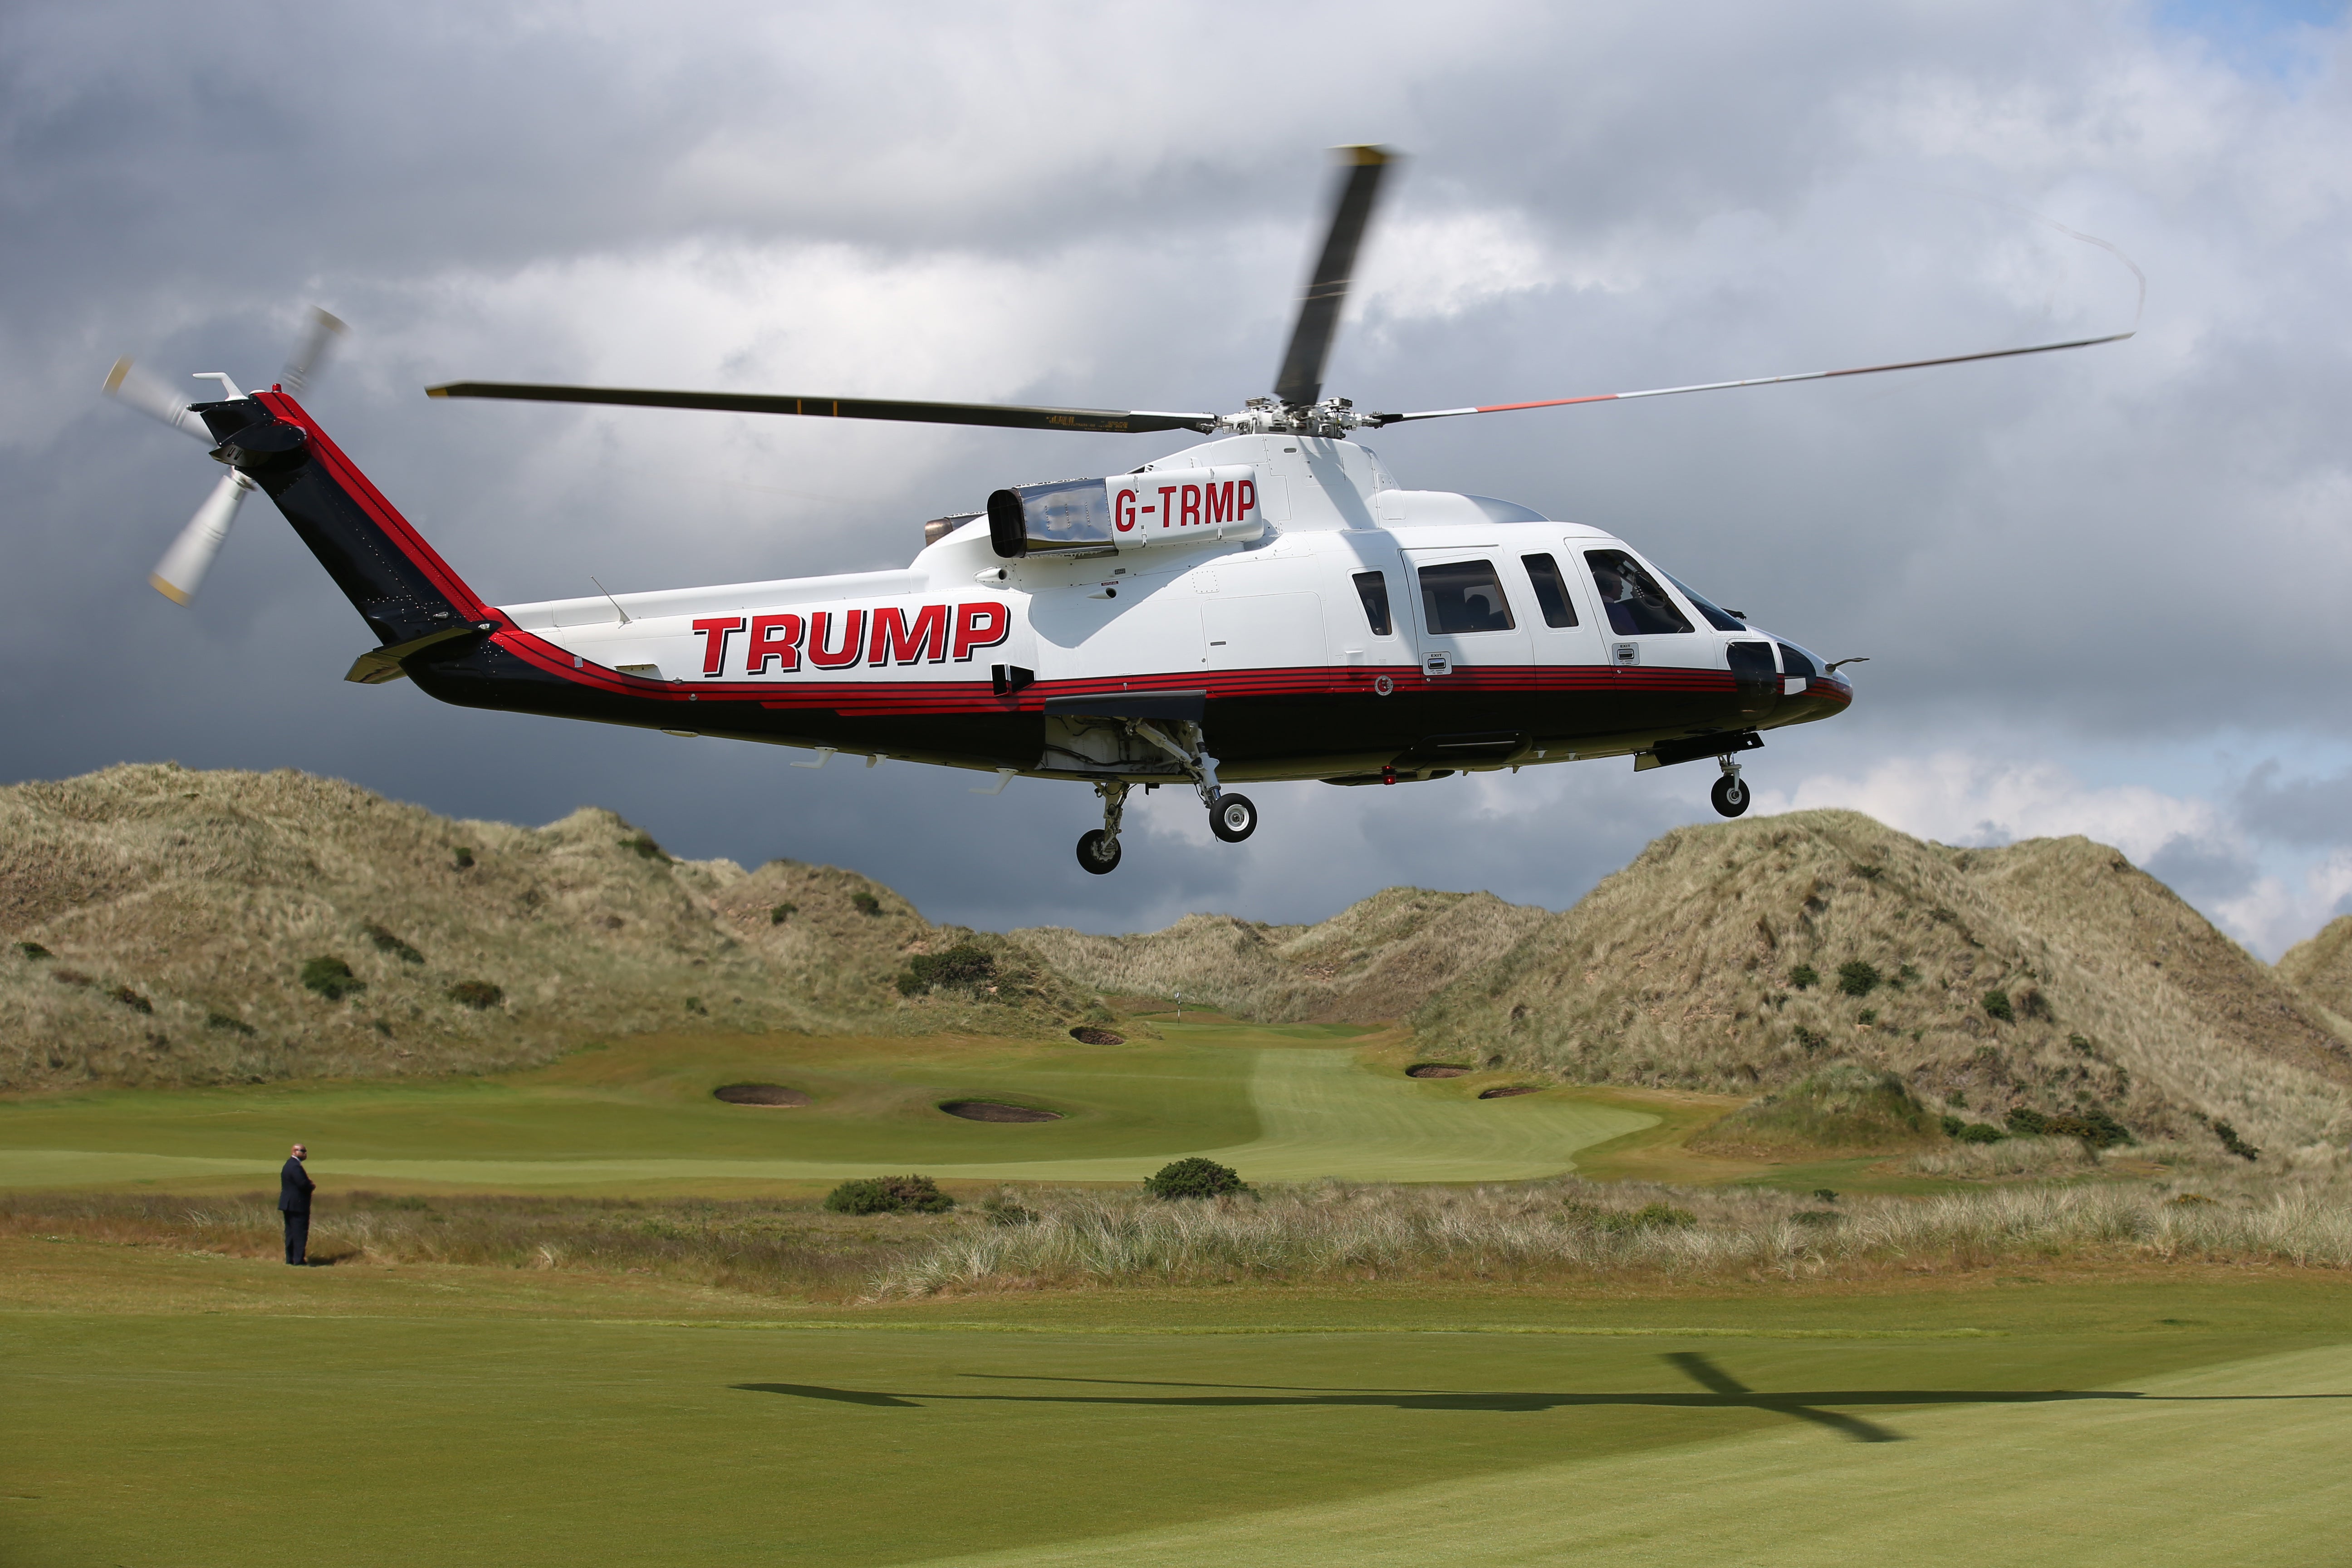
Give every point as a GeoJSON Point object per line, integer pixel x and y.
{"type": "Point", "coordinates": [1437, 664]}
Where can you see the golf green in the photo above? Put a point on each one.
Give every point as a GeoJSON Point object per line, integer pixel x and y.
{"type": "Point", "coordinates": [363, 1416]}
{"type": "Point", "coordinates": [1275, 1104]}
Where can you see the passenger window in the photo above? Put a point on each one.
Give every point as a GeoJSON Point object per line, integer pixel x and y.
{"type": "Point", "coordinates": [1373, 587]}
{"type": "Point", "coordinates": [1465, 596]}
{"type": "Point", "coordinates": [1551, 590]}
{"type": "Point", "coordinates": [1631, 598]}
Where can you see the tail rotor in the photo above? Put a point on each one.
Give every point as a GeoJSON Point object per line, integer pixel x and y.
{"type": "Point", "coordinates": [181, 569]}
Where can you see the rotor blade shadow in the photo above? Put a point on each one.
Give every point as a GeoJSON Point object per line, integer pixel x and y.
{"type": "Point", "coordinates": [834, 1396]}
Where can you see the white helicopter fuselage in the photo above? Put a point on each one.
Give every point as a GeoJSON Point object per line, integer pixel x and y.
{"type": "Point", "coordinates": [1251, 620]}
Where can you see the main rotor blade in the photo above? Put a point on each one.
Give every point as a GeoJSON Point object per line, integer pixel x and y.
{"type": "Point", "coordinates": [310, 352]}
{"type": "Point", "coordinates": [1758, 381]}
{"type": "Point", "coordinates": [126, 383]}
{"type": "Point", "coordinates": [183, 566]}
{"type": "Point", "coordinates": [1005, 416]}
{"type": "Point", "coordinates": [1300, 380]}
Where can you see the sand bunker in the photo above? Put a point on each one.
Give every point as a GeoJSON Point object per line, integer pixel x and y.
{"type": "Point", "coordinates": [760, 1094]}
{"type": "Point", "coordinates": [990, 1111]}
{"type": "Point", "coordinates": [1087, 1035]}
{"type": "Point", "coordinates": [1505, 1090]}
{"type": "Point", "coordinates": [1435, 1069]}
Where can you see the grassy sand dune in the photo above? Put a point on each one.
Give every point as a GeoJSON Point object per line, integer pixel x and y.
{"type": "Point", "coordinates": [1376, 959]}
{"type": "Point", "coordinates": [159, 920]}
{"type": "Point", "coordinates": [2049, 974]}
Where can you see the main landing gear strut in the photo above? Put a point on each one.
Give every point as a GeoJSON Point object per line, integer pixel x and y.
{"type": "Point", "coordinates": [1232, 817]}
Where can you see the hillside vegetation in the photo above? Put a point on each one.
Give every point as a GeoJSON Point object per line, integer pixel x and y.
{"type": "Point", "coordinates": [1377, 959]}
{"type": "Point", "coordinates": [2050, 975]}
{"type": "Point", "coordinates": [2321, 967]}
{"type": "Point", "coordinates": [168, 926]}
{"type": "Point", "coordinates": [161, 923]}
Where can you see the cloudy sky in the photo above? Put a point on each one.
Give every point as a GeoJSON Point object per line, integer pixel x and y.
{"type": "Point", "coordinates": [2102, 593]}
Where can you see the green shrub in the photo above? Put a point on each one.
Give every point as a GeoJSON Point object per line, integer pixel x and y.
{"type": "Point", "coordinates": [34, 950]}
{"type": "Point", "coordinates": [1867, 1017]}
{"type": "Point", "coordinates": [865, 903]}
{"type": "Point", "coordinates": [1649, 1216]}
{"type": "Point", "coordinates": [2026, 1122]}
{"type": "Point", "coordinates": [387, 942]}
{"type": "Point", "coordinates": [464, 857]}
{"type": "Point", "coordinates": [780, 913]}
{"type": "Point", "coordinates": [1825, 1195]}
{"type": "Point", "coordinates": [1952, 1125]}
{"type": "Point", "coordinates": [1803, 977]}
{"type": "Point", "coordinates": [962, 967]}
{"type": "Point", "coordinates": [331, 977]}
{"type": "Point", "coordinates": [478, 995]}
{"type": "Point", "coordinates": [1904, 976]}
{"type": "Point", "coordinates": [1981, 1132]}
{"type": "Point", "coordinates": [1856, 978]}
{"type": "Point", "coordinates": [645, 846]}
{"type": "Point", "coordinates": [1997, 1004]}
{"type": "Point", "coordinates": [693, 1005]}
{"type": "Point", "coordinates": [2233, 1143]}
{"type": "Point", "coordinates": [216, 1019]}
{"type": "Point", "coordinates": [2093, 1125]}
{"type": "Point", "coordinates": [1194, 1178]}
{"type": "Point", "coordinates": [1811, 1039]}
{"type": "Point", "coordinates": [131, 999]}
{"type": "Point", "coordinates": [889, 1194]}
{"type": "Point", "coordinates": [2035, 1005]}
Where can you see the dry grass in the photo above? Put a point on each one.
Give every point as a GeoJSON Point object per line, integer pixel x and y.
{"type": "Point", "coordinates": [2009, 1157]}
{"type": "Point", "coordinates": [1374, 960]}
{"type": "Point", "coordinates": [204, 894]}
{"type": "Point", "coordinates": [1572, 1230]}
{"type": "Point", "coordinates": [1681, 970]}
{"type": "Point", "coordinates": [760, 1249]}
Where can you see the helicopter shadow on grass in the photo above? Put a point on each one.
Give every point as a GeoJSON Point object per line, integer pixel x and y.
{"type": "Point", "coordinates": [1722, 1392]}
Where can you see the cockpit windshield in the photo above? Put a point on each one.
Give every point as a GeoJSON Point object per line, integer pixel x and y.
{"type": "Point", "coordinates": [1636, 604]}
{"type": "Point", "coordinates": [1721, 620]}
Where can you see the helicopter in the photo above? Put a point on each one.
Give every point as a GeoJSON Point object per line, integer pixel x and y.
{"type": "Point", "coordinates": [1268, 604]}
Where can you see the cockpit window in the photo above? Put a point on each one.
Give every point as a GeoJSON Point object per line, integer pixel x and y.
{"type": "Point", "coordinates": [1721, 620]}
{"type": "Point", "coordinates": [1373, 587]}
{"type": "Point", "coordinates": [1464, 596]}
{"type": "Point", "coordinates": [1551, 590]}
{"type": "Point", "coordinates": [1636, 606]}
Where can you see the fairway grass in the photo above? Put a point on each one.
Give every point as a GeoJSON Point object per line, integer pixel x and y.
{"type": "Point", "coordinates": [203, 1411]}
{"type": "Point", "coordinates": [1276, 1103]}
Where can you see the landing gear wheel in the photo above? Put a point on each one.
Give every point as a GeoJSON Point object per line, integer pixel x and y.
{"type": "Point", "coordinates": [1731, 795]}
{"type": "Point", "coordinates": [1232, 818]}
{"type": "Point", "coordinates": [1099, 852]}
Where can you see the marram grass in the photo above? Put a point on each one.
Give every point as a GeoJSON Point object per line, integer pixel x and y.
{"type": "Point", "coordinates": [1567, 1229]}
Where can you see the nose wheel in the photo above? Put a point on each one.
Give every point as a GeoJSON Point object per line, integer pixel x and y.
{"type": "Point", "coordinates": [1731, 793]}
{"type": "Point", "coordinates": [1099, 852]}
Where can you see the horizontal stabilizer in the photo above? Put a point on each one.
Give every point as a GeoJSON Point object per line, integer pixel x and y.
{"type": "Point", "coordinates": [382, 666]}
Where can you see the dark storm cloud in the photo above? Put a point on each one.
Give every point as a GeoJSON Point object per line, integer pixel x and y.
{"type": "Point", "coordinates": [2130, 547]}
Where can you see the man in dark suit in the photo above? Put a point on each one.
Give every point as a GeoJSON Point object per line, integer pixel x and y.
{"type": "Point", "coordinates": [294, 1189]}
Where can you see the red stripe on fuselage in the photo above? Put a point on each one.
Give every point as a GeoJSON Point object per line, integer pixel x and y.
{"type": "Point", "coordinates": [382, 513]}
